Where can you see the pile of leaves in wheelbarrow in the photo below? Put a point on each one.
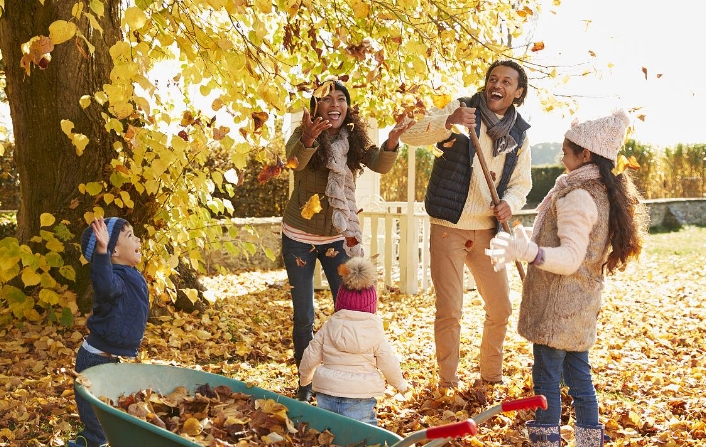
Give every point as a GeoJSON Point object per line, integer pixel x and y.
{"type": "Point", "coordinates": [219, 417]}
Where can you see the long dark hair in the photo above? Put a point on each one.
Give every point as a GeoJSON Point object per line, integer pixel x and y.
{"type": "Point", "coordinates": [358, 140]}
{"type": "Point", "coordinates": [628, 217]}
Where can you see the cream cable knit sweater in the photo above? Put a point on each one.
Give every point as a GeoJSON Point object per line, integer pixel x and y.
{"type": "Point", "coordinates": [477, 214]}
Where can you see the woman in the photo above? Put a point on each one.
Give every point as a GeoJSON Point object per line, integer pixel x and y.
{"type": "Point", "coordinates": [331, 146]}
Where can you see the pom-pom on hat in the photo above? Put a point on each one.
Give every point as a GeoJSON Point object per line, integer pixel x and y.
{"type": "Point", "coordinates": [602, 136]}
{"type": "Point", "coordinates": [337, 85]}
{"type": "Point", "coordinates": [357, 292]}
{"type": "Point", "coordinates": [88, 238]}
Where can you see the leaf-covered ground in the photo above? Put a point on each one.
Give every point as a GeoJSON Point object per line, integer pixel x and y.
{"type": "Point", "coordinates": [649, 361]}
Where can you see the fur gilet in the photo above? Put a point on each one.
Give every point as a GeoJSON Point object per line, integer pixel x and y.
{"type": "Point", "coordinates": [561, 311]}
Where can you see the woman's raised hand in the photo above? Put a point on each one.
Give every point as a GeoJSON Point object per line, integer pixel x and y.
{"type": "Point", "coordinates": [311, 129]}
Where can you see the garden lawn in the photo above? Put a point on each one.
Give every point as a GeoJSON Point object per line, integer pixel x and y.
{"type": "Point", "coordinates": [649, 362]}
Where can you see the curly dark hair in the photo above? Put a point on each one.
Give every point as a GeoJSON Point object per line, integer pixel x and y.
{"type": "Point", "coordinates": [522, 76]}
{"type": "Point", "coordinates": [628, 218]}
{"type": "Point", "coordinates": [358, 141]}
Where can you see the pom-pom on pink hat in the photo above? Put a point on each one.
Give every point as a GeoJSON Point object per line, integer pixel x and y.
{"type": "Point", "coordinates": [602, 136]}
{"type": "Point", "coordinates": [357, 292]}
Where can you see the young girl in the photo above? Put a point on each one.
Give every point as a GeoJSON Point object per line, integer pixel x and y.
{"type": "Point", "coordinates": [347, 354]}
{"type": "Point", "coordinates": [589, 224]}
{"type": "Point", "coordinates": [331, 146]}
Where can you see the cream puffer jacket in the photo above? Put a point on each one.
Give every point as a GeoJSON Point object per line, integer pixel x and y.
{"type": "Point", "coordinates": [348, 355]}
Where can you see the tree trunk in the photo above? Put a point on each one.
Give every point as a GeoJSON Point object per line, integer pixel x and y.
{"type": "Point", "coordinates": [49, 169]}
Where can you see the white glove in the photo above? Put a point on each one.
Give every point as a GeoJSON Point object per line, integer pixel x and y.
{"type": "Point", "coordinates": [505, 248]}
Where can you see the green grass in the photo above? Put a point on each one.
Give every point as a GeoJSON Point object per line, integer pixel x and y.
{"type": "Point", "coordinates": [689, 241]}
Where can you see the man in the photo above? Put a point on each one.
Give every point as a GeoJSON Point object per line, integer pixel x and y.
{"type": "Point", "coordinates": [463, 217]}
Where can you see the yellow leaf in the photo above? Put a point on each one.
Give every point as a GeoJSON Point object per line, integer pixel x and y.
{"type": "Point", "coordinates": [97, 7]}
{"type": "Point", "coordinates": [360, 9]}
{"type": "Point", "coordinates": [125, 196]}
{"type": "Point", "coordinates": [134, 17]}
{"type": "Point", "coordinates": [67, 127]}
{"type": "Point", "coordinates": [93, 188]}
{"type": "Point", "coordinates": [191, 294]}
{"type": "Point", "coordinates": [313, 206]}
{"type": "Point", "coordinates": [80, 141]}
{"type": "Point", "coordinates": [46, 219]}
{"type": "Point", "coordinates": [30, 277]}
{"type": "Point", "coordinates": [77, 10]}
{"type": "Point", "coordinates": [94, 22]}
{"type": "Point", "coordinates": [123, 109]}
{"type": "Point", "coordinates": [85, 101]}
{"type": "Point", "coordinates": [441, 101]}
{"type": "Point", "coordinates": [60, 31]}
{"type": "Point", "coordinates": [191, 427]}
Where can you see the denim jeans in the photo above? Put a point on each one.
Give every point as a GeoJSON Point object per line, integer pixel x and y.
{"type": "Point", "coordinates": [362, 410]}
{"type": "Point", "coordinates": [551, 366]}
{"type": "Point", "coordinates": [92, 430]}
{"type": "Point", "coordinates": [300, 260]}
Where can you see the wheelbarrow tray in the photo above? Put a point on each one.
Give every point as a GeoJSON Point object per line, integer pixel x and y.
{"type": "Point", "coordinates": [123, 430]}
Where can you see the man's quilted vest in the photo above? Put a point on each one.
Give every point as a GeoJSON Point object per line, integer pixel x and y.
{"type": "Point", "coordinates": [451, 174]}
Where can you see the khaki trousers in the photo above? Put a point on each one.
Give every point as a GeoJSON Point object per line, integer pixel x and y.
{"type": "Point", "coordinates": [450, 249]}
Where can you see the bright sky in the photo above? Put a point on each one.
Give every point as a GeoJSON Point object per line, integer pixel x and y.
{"type": "Point", "coordinates": [666, 38]}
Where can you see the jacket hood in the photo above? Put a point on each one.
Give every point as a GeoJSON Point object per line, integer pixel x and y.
{"type": "Point", "coordinates": [354, 331]}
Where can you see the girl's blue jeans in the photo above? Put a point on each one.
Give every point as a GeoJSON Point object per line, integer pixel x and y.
{"type": "Point", "coordinates": [300, 260]}
{"type": "Point", "coordinates": [362, 410]}
{"type": "Point", "coordinates": [551, 366]}
{"type": "Point", "coordinates": [92, 430]}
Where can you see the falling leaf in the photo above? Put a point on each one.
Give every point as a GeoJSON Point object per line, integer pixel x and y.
{"type": "Point", "coordinates": [537, 46]}
{"type": "Point", "coordinates": [644, 70]}
{"type": "Point", "coordinates": [331, 252]}
{"type": "Point", "coordinates": [300, 261]}
{"type": "Point", "coordinates": [449, 143]}
{"type": "Point", "coordinates": [270, 171]}
{"type": "Point", "coordinates": [468, 244]}
{"type": "Point", "coordinates": [292, 162]}
{"type": "Point", "coordinates": [312, 206]}
{"type": "Point", "coordinates": [441, 100]}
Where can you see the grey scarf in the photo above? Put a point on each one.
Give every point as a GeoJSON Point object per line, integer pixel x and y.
{"type": "Point", "coordinates": [498, 130]}
{"type": "Point", "coordinates": [340, 191]}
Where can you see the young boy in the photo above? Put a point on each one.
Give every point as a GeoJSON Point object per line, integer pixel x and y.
{"type": "Point", "coordinates": [120, 309]}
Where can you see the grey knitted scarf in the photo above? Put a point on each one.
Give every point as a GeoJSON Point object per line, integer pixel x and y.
{"type": "Point", "coordinates": [498, 129]}
{"type": "Point", "coordinates": [340, 191]}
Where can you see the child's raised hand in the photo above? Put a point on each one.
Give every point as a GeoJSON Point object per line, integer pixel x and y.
{"type": "Point", "coordinates": [505, 248]}
{"type": "Point", "coordinates": [102, 237]}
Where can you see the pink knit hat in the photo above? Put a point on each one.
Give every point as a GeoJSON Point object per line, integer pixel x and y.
{"type": "Point", "coordinates": [357, 292]}
{"type": "Point", "coordinates": [602, 136]}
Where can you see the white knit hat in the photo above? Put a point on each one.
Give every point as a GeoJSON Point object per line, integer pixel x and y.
{"type": "Point", "coordinates": [603, 136]}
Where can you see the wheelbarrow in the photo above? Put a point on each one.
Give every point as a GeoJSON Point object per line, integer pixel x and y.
{"type": "Point", "coordinates": [444, 433]}
{"type": "Point", "coordinates": [123, 430]}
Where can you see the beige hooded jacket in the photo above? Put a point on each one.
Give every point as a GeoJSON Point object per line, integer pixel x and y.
{"type": "Point", "coordinates": [347, 355]}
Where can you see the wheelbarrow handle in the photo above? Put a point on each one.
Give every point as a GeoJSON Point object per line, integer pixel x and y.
{"type": "Point", "coordinates": [532, 402]}
{"type": "Point", "coordinates": [454, 430]}
{"type": "Point", "coordinates": [538, 401]}
{"type": "Point", "coordinates": [441, 434]}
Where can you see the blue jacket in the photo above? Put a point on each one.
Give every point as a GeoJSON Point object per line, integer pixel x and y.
{"type": "Point", "coordinates": [120, 307]}
{"type": "Point", "coordinates": [450, 179]}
